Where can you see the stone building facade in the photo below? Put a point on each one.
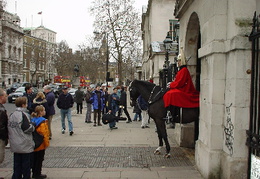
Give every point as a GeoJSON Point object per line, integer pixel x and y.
{"type": "Point", "coordinates": [215, 35]}
{"type": "Point", "coordinates": [155, 25]}
{"type": "Point", "coordinates": [34, 58]}
{"type": "Point", "coordinates": [49, 36]}
{"type": "Point", "coordinates": [11, 64]}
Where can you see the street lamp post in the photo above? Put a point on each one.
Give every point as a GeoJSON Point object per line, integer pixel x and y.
{"type": "Point", "coordinates": [166, 67]}
{"type": "Point", "coordinates": [107, 60]}
{"type": "Point", "coordinates": [107, 55]}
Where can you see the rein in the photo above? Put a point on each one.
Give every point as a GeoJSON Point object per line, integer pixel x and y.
{"type": "Point", "coordinates": [157, 94]}
{"type": "Point", "coordinates": [151, 94]}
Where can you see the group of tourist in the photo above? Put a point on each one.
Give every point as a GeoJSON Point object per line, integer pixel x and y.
{"type": "Point", "coordinates": [102, 102]}
{"type": "Point", "coordinates": [28, 131]}
{"type": "Point", "coordinates": [35, 113]}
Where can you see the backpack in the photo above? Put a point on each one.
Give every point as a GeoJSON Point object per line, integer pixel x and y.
{"type": "Point", "coordinates": [37, 138]}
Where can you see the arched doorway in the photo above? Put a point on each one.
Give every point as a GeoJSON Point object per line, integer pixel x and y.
{"type": "Point", "coordinates": [192, 44]}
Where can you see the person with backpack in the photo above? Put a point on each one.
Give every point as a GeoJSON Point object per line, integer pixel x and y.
{"type": "Point", "coordinates": [41, 125]}
{"type": "Point", "coordinates": [20, 131]}
{"type": "Point", "coordinates": [89, 104]}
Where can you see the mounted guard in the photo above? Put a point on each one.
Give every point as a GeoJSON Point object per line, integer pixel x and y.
{"type": "Point", "coordinates": [181, 92]}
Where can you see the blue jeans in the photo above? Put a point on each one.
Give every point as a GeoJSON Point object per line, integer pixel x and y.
{"type": "Point", "coordinates": [114, 110]}
{"type": "Point", "coordinates": [112, 124]}
{"type": "Point", "coordinates": [22, 166]}
{"type": "Point", "coordinates": [88, 113]}
{"type": "Point", "coordinates": [63, 114]}
{"type": "Point", "coordinates": [136, 116]}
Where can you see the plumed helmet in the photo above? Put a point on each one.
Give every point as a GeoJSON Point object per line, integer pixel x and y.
{"type": "Point", "coordinates": [182, 57]}
{"type": "Point", "coordinates": [179, 57]}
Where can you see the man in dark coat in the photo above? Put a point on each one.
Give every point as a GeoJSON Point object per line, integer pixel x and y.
{"type": "Point", "coordinates": [89, 104]}
{"type": "Point", "coordinates": [30, 96]}
{"type": "Point", "coordinates": [3, 125]}
{"type": "Point", "coordinates": [50, 97]}
{"type": "Point", "coordinates": [79, 96]}
{"type": "Point", "coordinates": [123, 104]}
{"type": "Point", "coordinates": [65, 103]}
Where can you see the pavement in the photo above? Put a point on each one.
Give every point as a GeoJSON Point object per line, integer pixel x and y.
{"type": "Point", "coordinates": [98, 152]}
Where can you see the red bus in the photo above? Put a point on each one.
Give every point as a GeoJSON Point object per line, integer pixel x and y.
{"type": "Point", "coordinates": [84, 81]}
{"type": "Point", "coordinates": [65, 80]}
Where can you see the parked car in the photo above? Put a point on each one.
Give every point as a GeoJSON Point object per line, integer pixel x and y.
{"type": "Point", "coordinates": [72, 91]}
{"type": "Point", "coordinates": [15, 86]}
{"type": "Point", "coordinates": [19, 92]}
{"type": "Point", "coordinates": [56, 88]}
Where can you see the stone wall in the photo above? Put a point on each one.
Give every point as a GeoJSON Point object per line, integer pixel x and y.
{"type": "Point", "coordinates": [224, 84]}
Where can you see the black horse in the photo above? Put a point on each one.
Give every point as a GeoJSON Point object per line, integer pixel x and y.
{"type": "Point", "coordinates": [153, 95]}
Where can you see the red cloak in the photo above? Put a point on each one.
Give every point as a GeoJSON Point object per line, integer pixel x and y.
{"type": "Point", "coordinates": [182, 92]}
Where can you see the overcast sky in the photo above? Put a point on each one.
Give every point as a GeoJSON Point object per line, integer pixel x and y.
{"type": "Point", "coordinates": [70, 19]}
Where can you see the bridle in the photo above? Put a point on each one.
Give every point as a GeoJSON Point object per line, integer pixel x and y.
{"type": "Point", "coordinates": [151, 94]}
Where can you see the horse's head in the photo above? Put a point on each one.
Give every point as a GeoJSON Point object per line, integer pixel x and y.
{"type": "Point", "coordinates": [134, 93]}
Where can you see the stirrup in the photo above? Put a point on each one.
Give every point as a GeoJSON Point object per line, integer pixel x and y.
{"type": "Point", "coordinates": [168, 117]}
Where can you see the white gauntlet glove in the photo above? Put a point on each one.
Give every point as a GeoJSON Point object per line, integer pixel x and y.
{"type": "Point", "coordinates": [168, 85]}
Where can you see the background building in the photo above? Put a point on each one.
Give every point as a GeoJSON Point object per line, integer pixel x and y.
{"type": "Point", "coordinates": [49, 36]}
{"type": "Point", "coordinates": [155, 25]}
{"type": "Point", "coordinates": [11, 64]}
{"type": "Point", "coordinates": [35, 51]}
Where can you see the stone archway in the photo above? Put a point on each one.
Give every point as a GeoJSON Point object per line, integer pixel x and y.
{"type": "Point", "coordinates": [191, 45]}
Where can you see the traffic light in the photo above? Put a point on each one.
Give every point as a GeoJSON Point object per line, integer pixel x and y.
{"type": "Point", "coordinates": [108, 77]}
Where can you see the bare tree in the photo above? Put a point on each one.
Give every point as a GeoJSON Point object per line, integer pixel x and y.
{"type": "Point", "coordinates": [90, 60]}
{"type": "Point", "coordinates": [120, 21]}
{"type": "Point", "coordinates": [64, 59]}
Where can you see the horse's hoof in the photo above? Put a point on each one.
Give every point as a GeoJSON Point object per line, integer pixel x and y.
{"type": "Point", "coordinates": [157, 152]}
{"type": "Point", "coordinates": [167, 155]}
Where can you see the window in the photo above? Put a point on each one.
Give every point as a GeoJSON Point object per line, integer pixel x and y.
{"type": "Point", "coordinates": [24, 77]}
{"type": "Point", "coordinates": [24, 63]}
{"type": "Point", "coordinates": [9, 51]}
{"type": "Point", "coordinates": [172, 31]}
{"type": "Point", "coordinates": [19, 54]}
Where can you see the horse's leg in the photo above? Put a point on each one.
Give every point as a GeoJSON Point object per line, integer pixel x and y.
{"type": "Point", "coordinates": [161, 127]}
{"type": "Point", "coordinates": [166, 141]}
{"type": "Point", "coordinates": [158, 150]}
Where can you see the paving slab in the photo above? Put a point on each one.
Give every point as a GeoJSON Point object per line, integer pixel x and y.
{"type": "Point", "coordinates": [98, 152]}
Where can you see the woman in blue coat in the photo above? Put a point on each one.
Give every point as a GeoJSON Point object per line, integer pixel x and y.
{"type": "Point", "coordinates": [113, 106]}
{"type": "Point", "coordinates": [97, 99]}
